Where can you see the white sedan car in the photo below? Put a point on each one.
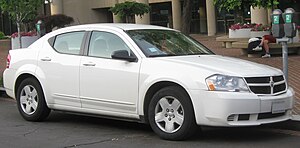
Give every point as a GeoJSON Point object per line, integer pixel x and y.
{"type": "Point", "coordinates": [143, 73]}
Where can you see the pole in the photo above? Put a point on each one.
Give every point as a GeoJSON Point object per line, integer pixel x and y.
{"type": "Point", "coordinates": [285, 59]}
{"type": "Point", "coordinates": [284, 42]}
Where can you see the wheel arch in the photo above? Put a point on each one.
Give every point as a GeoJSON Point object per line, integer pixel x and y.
{"type": "Point", "coordinates": [21, 78]}
{"type": "Point", "coordinates": [153, 89]}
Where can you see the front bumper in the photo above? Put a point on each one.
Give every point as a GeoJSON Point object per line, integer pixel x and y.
{"type": "Point", "coordinates": [240, 109]}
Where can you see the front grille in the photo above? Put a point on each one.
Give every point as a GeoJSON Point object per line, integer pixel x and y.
{"type": "Point", "coordinates": [254, 116]}
{"type": "Point", "coordinates": [261, 89]}
{"type": "Point", "coordinates": [279, 88]}
{"type": "Point", "coordinates": [244, 117]}
{"type": "Point", "coordinates": [257, 79]}
{"type": "Point", "coordinates": [267, 85]}
{"type": "Point", "coordinates": [269, 115]}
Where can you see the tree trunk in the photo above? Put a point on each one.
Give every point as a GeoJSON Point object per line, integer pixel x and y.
{"type": "Point", "coordinates": [126, 19]}
{"type": "Point", "coordinates": [187, 16]}
{"type": "Point", "coordinates": [19, 34]}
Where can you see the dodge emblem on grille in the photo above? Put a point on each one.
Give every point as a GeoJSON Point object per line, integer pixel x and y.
{"type": "Point", "coordinates": [272, 83]}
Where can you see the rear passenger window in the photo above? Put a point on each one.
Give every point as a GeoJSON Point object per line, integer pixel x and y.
{"type": "Point", "coordinates": [69, 43]}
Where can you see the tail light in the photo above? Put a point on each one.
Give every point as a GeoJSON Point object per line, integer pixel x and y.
{"type": "Point", "coordinates": [8, 61]}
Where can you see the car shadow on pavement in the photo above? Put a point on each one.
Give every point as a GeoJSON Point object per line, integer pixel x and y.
{"type": "Point", "coordinates": [214, 134]}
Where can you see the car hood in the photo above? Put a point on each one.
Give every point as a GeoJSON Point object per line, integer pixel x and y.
{"type": "Point", "coordinates": [225, 65]}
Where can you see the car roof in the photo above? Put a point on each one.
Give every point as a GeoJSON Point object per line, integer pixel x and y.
{"type": "Point", "coordinates": [112, 26]}
{"type": "Point", "coordinates": [122, 26]}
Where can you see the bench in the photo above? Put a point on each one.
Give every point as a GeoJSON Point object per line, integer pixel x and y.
{"type": "Point", "coordinates": [293, 48]}
{"type": "Point", "coordinates": [227, 42]}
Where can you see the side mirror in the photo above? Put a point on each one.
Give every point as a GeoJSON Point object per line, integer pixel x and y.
{"type": "Point", "coordinates": [123, 55]}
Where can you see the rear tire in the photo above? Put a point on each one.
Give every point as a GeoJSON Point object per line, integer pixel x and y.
{"type": "Point", "coordinates": [31, 101]}
{"type": "Point", "coordinates": [171, 114]}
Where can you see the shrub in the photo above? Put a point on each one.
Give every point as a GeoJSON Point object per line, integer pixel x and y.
{"type": "Point", "coordinates": [128, 9]}
{"type": "Point", "coordinates": [2, 36]}
{"type": "Point", "coordinates": [261, 27]}
{"type": "Point", "coordinates": [58, 20]}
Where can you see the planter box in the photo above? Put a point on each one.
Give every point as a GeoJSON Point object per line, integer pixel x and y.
{"type": "Point", "coordinates": [296, 38]}
{"type": "Point", "coordinates": [254, 34]}
{"type": "Point", "coordinates": [239, 33]}
{"type": "Point", "coordinates": [26, 41]}
{"type": "Point", "coordinates": [5, 45]}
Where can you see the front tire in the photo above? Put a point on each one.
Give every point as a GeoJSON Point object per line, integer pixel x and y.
{"type": "Point", "coordinates": [171, 114]}
{"type": "Point", "coordinates": [31, 101]}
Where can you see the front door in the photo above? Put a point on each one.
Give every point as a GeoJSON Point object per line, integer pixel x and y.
{"type": "Point", "coordinates": [107, 84]}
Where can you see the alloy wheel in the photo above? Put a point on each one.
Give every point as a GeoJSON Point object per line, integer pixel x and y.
{"type": "Point", "coordinates": [29, 99]}
{"type": "Point", "coordinates": [169, 114]}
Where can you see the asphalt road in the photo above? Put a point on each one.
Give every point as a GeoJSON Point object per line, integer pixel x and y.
{"type": "Point", "coordinates": [68, 130]}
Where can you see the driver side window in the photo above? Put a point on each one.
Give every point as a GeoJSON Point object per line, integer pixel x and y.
{"type": "Point", "coordinates": [103, 44]}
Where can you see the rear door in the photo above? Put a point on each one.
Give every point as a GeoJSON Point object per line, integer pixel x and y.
{"type": "Point", "coordinates": [59, 62]}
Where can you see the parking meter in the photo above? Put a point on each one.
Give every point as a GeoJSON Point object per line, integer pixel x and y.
{"type": "Point", "coordinates": [277, 24]}
{"type": "Point", "coordinates": [40, 28]}
{"type": "Point", "coordinates": [289, 23]}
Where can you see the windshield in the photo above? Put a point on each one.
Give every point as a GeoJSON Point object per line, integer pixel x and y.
{"type": "Point", "coordinates": [156, 43]}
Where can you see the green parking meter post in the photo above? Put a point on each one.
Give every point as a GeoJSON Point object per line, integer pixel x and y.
{"type": "Point", "coordinates": [289, 33]}
{"type": "Point", "coordinates": [278, 32]}
{"type": "Point", "coordinates": [289, 23]}
{"type": "Point", "coordinates": [40, 28]}
{"type": "Point", "coordinates": [277, 24]}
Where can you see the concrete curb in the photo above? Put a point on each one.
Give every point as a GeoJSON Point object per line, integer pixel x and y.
{"type": "Point", "coordinates": [2, 89]}
{"type": "Point", "coordinates": [296, 118]}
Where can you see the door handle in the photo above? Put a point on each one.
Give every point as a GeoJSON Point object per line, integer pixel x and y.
{"type": "Point", "coordinates": [46, 59]}
{"type": "Point", "coordinates": [89, 64]}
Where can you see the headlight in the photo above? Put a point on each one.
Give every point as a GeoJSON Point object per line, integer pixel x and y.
{"type": "Point", "coordinates": [226, 83]}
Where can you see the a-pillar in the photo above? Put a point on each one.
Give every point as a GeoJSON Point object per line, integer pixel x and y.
{"type": "Point", "coordinates": [56, 7]}
{"type": "Point", "coordinates": [211, 18]}
{"type": "Point", "coordinates": [176, 14]}
{"type": "Point", "coordinates": [145, 19]}
{"type": "Point", "coordinates": [259, 15]}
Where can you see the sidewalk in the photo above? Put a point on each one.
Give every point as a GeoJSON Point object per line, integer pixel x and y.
{"type": "Point", "coordinates": [274, 61]}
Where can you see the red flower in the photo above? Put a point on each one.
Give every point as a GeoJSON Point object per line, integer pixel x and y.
{"type": "Point", "coordinates": [261, 27]}
{"type": "Point", "coordinates": [240, 26]}
{"type": "Point", "coordinates": [30, 33]}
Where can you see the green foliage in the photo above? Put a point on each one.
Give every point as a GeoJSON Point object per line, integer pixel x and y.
{"type": "Point", "coordinates": [2, 36]}
{"type": "Point", "coordinates": [21, 11]}
{"type": "Point", "coordinates": [240, 4]}
{"type": "Point", "coordinates": [129, 9]}
{"type": "Point", "coordinates": [57, 20]}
